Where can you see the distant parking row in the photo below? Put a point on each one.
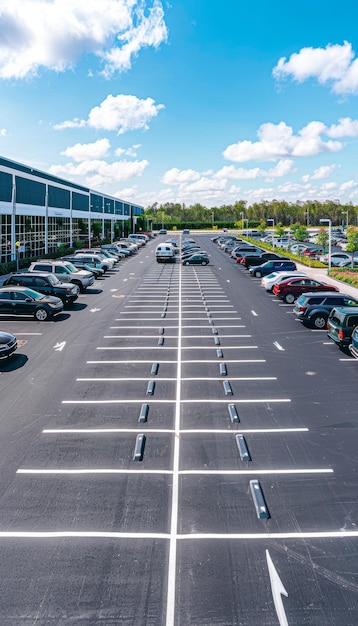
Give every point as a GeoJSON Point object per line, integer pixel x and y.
{"type": "Point", "coordinates": [317, 305]}
{"type": "Point", "coordinates": [48, 285]}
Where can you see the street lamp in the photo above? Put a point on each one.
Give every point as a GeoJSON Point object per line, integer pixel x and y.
{"type": "Point", "coordinates": [346, 214]}
{"type": "Point", "coordinates": [212, 220]}
{"type": "Point", "coordinates": [329, 222]}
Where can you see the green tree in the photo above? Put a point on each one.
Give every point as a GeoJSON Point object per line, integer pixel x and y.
{"type": "Point", "coordinates": [322, 239]}
{"type": "Point", "coordinates": [352, 237]}
{"type": "Point", "coordinates": [299, 231]}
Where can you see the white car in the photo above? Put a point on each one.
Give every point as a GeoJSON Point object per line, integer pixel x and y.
{"type": "Point", "coordinates": [275, 277]}
{"type": "Point", "coordinates": [336, 257]}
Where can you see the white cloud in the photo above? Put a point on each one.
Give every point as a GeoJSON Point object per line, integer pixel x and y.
{"type": "Point", "coordinates": [84, 151]}
{"type": "Point", "coordinates": [349, 184]}
{"type": "Point", "coordinates": [283, 167]}
{"type": "Point", "coordinates": [175, 176]}
{"type": "Point", "coordinates": [345, 128]}
{"type": "Point", "coordinates": [3, 132]}
{"type": "Point", "coordinates": [117, 113]}
{"type": "Point", "coordinates": [278, 141]}
{"type": "Point", "coordinates": [97, 173]}
{"type": "Point", "coordinates": [131, 151]}
{"type": "Point", "coordinates": [148, 31]}
{"type": "Point", "coordinates": [334, 64]}
{"type": "Point", "coordinates": [53, 34]}
{"type": "Point", "coordinates": [321, 172]}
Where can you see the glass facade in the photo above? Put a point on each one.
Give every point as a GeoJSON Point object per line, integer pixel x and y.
{"type": "Point", "coordinates": [43, 194]}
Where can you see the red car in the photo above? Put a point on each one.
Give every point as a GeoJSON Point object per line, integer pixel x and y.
{"type": "Point", "coordinates": [291, 288]}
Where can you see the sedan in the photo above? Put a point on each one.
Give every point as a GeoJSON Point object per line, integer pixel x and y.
{"type": "Point", "coordinates": [8, 344]}
{"type": "Point", "coordinates": [25, 301]}
{"type": "Point", "coordinates": [292, 288]}
{"type": "Point", "coordinates": [353, 346]}
{"type": "Point", "coordinates": [336, 257]}
{"type": "Point", "coordinates": [278, 277]}
{"type": "Point", "coordinates": [197, 259]}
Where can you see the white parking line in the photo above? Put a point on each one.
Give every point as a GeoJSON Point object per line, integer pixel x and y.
{"type": "Point", "coordinates": [195, 431]}
{"type": "Point", "coordinates": [135, 379]}
{"type": "Point", "coordinates": [23, 534]}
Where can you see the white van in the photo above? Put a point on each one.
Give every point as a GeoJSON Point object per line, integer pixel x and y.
{"type": "Point", "coordinates": [165, 253]}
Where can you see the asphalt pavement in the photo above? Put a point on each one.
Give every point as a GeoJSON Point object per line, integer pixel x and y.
{"type": "Point", "coordinates": [177, 450]}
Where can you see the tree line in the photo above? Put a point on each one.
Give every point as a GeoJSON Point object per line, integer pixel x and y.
{"type": "Point", "coordinates": [273, 212]}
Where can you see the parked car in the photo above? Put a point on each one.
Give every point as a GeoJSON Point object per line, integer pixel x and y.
{"type": "Point", "coordinates": [258, 259]}
{"type": "Point", "coordinates": [196, 259]}
{"type": "Point", "coordinates": [24, 301]}
{"type": "Point", "coordinates": [162, 231]}
{"type": "Point", "coordinates": [64, 271]}
{"type": "Point", "coordinates": [271, 266]}
{"type": "Point", "coordinates": [289, 290]}
{"type": "Point", "coordinates": [165, 253]}
{"type": "Point", "coordinates": [106, 262]}
{"type": "Point", "coordinates": [353, 346]}
{"type": "Point", "coordinates": [89, 266]}
{"type": "Point", "coordinates": [340, 325]}
{"type": "Point", "coordinates": [120, 251]}
{"type": "Point", "coordinates": [96, 259]}
{"type": "Point", "coordinates": [186, 231]}
{"type": "Point", "coordinates": [336, 257]}
{"type": "Point", "coordinates": [45, 283]}
{"type": "Point", "coordinates": [313, 309]}
{"type": "Point", "coordinates": [8, 344]}
{"type": "Point", "coordinates": [267, 282]}
{"type": "Point", "coordinates": [245, 248]}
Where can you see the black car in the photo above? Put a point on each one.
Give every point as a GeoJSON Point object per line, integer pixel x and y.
{"type": "Point", "coordinates": [197, 259]}
{"type": "Point", "coordinates": [275, 265]}
{"type": "Point", "coordinates": [45, 283]}
{"type": "Point", "coordinates": [259, 259]}
{"type": "Point", "coordinates": [8, 344]}
{"type": "Point", "coordinates": [313, 309]}
{"type": "Point", "coordinates": [25, 301]}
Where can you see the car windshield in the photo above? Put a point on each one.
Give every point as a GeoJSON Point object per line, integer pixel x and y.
{"type": "Point", "coordinates": [53, 279]}
{"type": "Point", "coordinates": [71, 267]}
{"type": "Point", "coordinates": [33, 294]}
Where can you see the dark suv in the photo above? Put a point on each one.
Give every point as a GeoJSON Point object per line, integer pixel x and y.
{"type": "Point", "coordinates": [45, 283]}
{"type": "Point", "coordinates": [340, 325]}
{"type": "Point", "coordinates": [272, 266]}
{"type": "Point", "coordinates": [312, 309]}
{"type": "Point", "coordinates": [260, 259]}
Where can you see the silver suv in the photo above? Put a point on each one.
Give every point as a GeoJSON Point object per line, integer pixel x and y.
{"type": "Point", "coordinates": [65, 271]}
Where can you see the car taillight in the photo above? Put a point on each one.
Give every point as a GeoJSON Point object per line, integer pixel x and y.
{"type": "Point", "coordinates": [340, 334]}
{"type": "Point", "coordinates": [302, 309]}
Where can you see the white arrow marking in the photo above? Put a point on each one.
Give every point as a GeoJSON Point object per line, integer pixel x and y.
{"type": "Point", "coordinates": [114, 290]}
{"type": "Point", "coordinates": [59, 346]}
{"type": "Point", "coordinates": [278, 346]}
{"type": "Point", "coordinates": [278, 590]}
{"type": "Point", "coordinates": [94, 310]}
{"type": "Point", "coordinates": [254, 313]}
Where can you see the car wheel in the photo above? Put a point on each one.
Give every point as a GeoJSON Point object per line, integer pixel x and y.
{"type": "Point", "coordinates": [204, 262]}
{"type": "Point", "coordinates": [319, 322]}
{"type": "Point", "coordinates": [257, 274]}
{"type": "Point", "coordinates": [41, 315]}
{"type": "Point", "coordinates": [289, 298]}
{"type": "Point", "coordinates": [79, 285]}
{"type": "Point", "coordinates": [186, 263]}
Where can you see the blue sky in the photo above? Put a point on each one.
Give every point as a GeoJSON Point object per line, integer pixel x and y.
{"type": "Point", "coordinates": [190, 101]}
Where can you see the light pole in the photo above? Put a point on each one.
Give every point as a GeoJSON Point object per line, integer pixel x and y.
{"type": "Point", "coordinates": [329, 222]}
{"type": "Point", "coordinates": [212, 220]}
{"type": "Point", "coordinates": [346, 214]}
{"type": "Point", "coordinates": [307, 214]}
{"type": "Point", "coordinates": [271, 219]}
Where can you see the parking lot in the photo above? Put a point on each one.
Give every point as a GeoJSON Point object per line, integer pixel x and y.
{"type": "Point", "coordinates": [125, 494]}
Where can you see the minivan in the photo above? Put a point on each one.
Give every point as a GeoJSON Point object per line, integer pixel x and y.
{"type": "Point", "coordinates": [165, 253]}
{"type": "Point", "coordinates": [341, 324]}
